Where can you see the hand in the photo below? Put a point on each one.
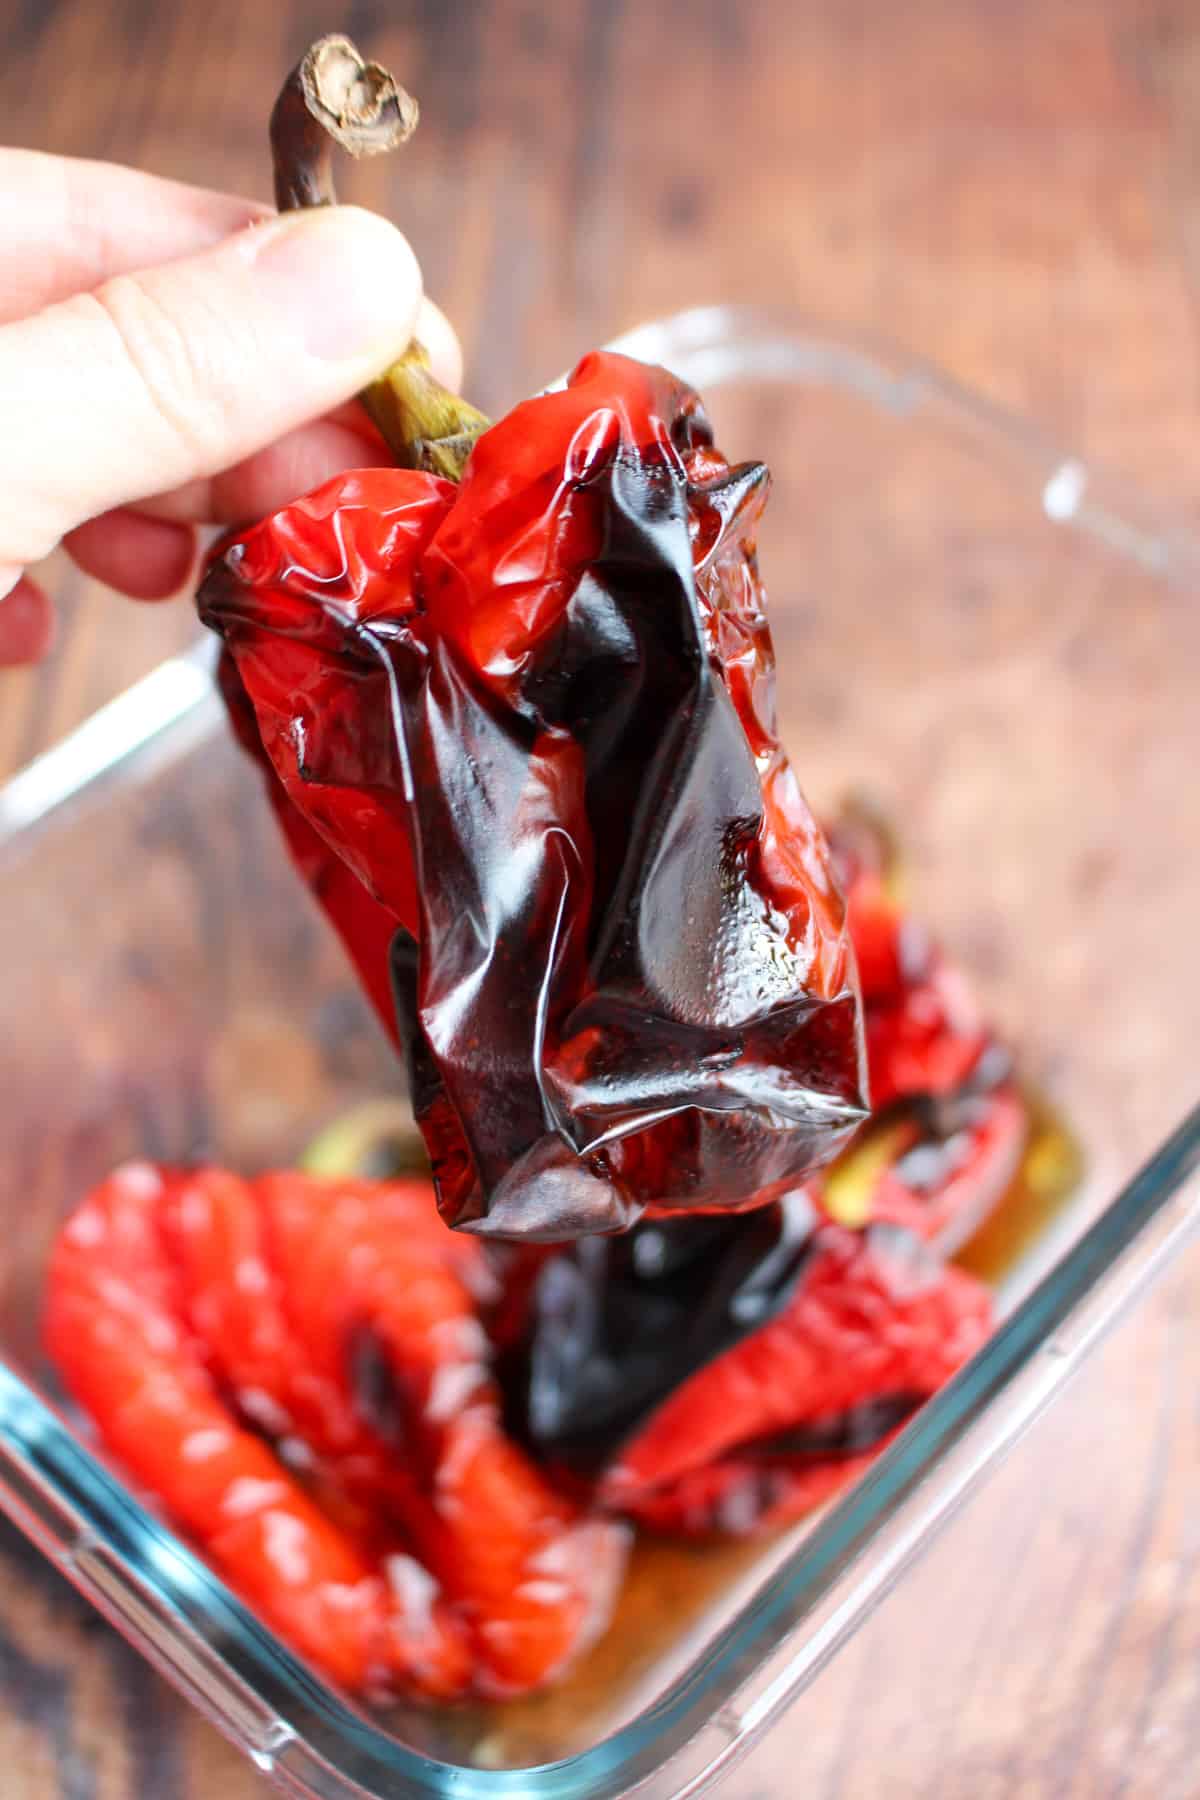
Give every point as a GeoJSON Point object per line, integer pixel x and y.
{"type": "Point", "coordinates": [171, 358]}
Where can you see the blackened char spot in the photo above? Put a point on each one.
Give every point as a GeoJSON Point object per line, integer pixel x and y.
{"type": "Point", "coordinates": [616, 1324]}
{"type": "Point", "coordinates": [377, 1394]}
{"type": "Point", "coordinates": [824, 1440]}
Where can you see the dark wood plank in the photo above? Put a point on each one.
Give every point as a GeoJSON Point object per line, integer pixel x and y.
{"type": "Point", "coordinates": [1047, 1646]}
{"type": "Point", "coordinates": [1010, 186]}
{"type": "Point", "coordinates": [1013, 199]}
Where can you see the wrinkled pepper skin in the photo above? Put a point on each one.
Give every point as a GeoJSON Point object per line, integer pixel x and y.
{"type": "Point", "coordinates": [534, 715]}
{"type": "Point", "coordinates": [365, 926]}
{"type": "Point", "coordinates": [297, 1368]}
{"type": "Point", "coordinates": [602, 1339]}
{"type": "Point", "coordinates": [875, 1325]}
{"type": "Point", "coordinates": [693, 1391]}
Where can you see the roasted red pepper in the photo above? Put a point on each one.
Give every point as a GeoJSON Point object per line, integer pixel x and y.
{"type": "Point", "coordinates": [876, 1325]}
{"type": "Point", "coordinates": [702, 1395]}
{"type": "Point", "coordinates": [297, 1369]}
{"type": "Point", "coordinates": [604, 1339]}
{"type": "Point", "coordinates": [925, 1032]}
{"type": "Point", "coordinates": [440, 1424]}
{"type": "Point", "coordinates": [534, 715]}
{"type": "Point", "coordinates": [523, 689]}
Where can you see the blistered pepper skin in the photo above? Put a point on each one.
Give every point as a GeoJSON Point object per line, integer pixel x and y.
{"type": "Point", "coordinates": [297, 1369]}
{"type": "Point", "coordinates": [533, 715]}
{"type": "Point", "coordinates": [601, 1337]}
{"type": "Point", "coordinates": [875, 1325]}
{"type": "Point", "coordinates": [118, 1329]}
{"type": "Point", "coordinates": [365, 926]}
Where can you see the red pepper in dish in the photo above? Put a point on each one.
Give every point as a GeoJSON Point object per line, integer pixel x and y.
{"type": "Point", "coordinates": [693, 1386]}
{"type": "Point", "coordinates": [297, 1369]}
{"type": "Point", "coordinates": [924, 1030]}
{"type": "Point", "coordinates": [719, 1374]}
{"type": "Point", "coordinates": [875, 1326]}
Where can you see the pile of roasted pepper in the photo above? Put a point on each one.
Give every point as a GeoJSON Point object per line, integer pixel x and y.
{"type": "Point", "coordinates": [515, 707]}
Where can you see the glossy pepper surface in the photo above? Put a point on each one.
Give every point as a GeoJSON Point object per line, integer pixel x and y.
{"type": "Point", "coordinates": [533, 714]}
{"type": "Point", "coordinates": [875, 1325]}
{"type": "Point", "coordinates": [712, 1374]}
{"type": "Point", "coordinates": [298, 1370]}
{"type": "Point", "coordinates": [696, 1380]}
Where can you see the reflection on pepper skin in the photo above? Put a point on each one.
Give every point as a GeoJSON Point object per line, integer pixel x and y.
{"type": "Point", "coordinates": [534, 715]}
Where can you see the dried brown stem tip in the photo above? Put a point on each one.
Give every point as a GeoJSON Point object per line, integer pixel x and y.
{"type": "Point", "coordinates": [333, 97]}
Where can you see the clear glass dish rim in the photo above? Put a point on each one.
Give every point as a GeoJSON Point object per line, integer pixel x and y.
{"type": "Point", "coordinates": [160, 1596]}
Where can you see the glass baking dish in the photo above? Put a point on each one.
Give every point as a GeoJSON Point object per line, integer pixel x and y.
{"type": "Point", "coordinates": [1002, 652]}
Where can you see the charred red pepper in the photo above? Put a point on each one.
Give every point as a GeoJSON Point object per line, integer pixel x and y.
{"type": "Point", "coordinates": [298, 1370]}
{"type": "Point", "coordinates": [701, 1387]}
{"type": "Point", "coordinates": [876, 1325]}
{"type": "Point", "coordinates": [533, 714]}
{"type": "Point", "coordinates": [534, 717]}
{"type": "Point", "coordinates": [793, 1342]}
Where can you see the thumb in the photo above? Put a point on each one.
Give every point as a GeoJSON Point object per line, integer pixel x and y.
{"type": "Point", "coordinates": [159, 378]}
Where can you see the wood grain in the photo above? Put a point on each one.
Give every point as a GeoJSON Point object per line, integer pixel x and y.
{"type": "Point", "coordinates": [1009, 186]}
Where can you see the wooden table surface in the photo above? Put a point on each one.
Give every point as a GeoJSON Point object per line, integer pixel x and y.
{"type": "Point", "coordinates": [1009, 186]}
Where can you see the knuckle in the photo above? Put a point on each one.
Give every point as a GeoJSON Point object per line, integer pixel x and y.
{"type": "Point", "coordinates": [166, 356]}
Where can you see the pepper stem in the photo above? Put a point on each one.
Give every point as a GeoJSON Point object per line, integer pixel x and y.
{"type": "Point", "coordinates": [333, 97]}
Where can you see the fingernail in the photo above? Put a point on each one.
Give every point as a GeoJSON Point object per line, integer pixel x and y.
{"type": "Point", "coordinates": [27, 626]}
{"type": "Point", "coordinates": [347, 280]}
